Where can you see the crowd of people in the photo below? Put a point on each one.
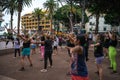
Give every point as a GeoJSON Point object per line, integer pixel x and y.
{"type": "Point", "coordinates": [104, 45]}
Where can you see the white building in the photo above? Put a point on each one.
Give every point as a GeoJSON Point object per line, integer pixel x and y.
{"type": "Point", "coordinates": [102, 27]}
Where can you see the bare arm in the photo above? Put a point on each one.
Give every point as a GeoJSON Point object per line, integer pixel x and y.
{"type": "Point", "coordinates": [97, 44]}
{"type": "Point", "coordinates": [110, 35]}
{"type": "Point", "coordinates": [13, 31]}
{"type": "Point", "coordinates": [72, 39]}
{"type": "Point", "coordinates": [33, 35]}
{"type": "Point", "coordinates": [77, 49]}
{"type": "Point", "coordinates": [23, 38]}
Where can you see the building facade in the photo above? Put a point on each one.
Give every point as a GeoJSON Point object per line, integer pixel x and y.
{"type": "Point", "coordinates": [29, 22]}
{"type": "Point", "coordinates": [102, 27]}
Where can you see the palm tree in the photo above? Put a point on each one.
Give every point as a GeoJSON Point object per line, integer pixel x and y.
{"type": "Point", "coordinates": [39, 14]}
{"type": "Point", "coordinates": [50, 6]}
{"type": "Point", "coordinates": [21, 4]}
{"type": "Point", "coordinates": [10, 7]}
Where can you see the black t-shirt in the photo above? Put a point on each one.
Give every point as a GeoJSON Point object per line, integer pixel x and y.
{"type": "Point", "coordinates": [106, 43]}
{"type": "Point", "coordinates": [98, 50]}
{"type": "Point", "coordinates": [26, 44]}
{"type": "Point", "coordinates": [10, 35]}
{"type": "Point", "coordinates": [42, 39]}
{"type": "Point", "coordinates": [113, 43]}
{"type": "Point", "coordinates": [69, 44]}
{"type": "Point", "coordinates": [48, 45]}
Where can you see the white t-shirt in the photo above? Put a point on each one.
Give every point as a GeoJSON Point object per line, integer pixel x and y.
{"type": "Point", "coordinates": [55, 43]}
{"type": "Point", "coordinates": [16, 44]}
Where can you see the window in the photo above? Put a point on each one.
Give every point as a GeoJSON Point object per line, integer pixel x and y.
{"type": "Point", "coordinates": [90, 17]}
{"type": "Point", "coordinates": [104, 28]}
{"type": "Point", "coordinates": [92, 23]}
{"type": "Point", "coordinates": [90, 29]}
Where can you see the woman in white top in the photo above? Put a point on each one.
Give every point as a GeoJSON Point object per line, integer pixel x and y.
{"type": "Point", "coordinates": [17, 46]}
{"type": "Point", "coordinates": [55, 44]}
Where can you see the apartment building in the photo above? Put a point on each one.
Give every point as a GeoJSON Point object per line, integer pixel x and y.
{"type": "Point", "coordinates": [29, 22]}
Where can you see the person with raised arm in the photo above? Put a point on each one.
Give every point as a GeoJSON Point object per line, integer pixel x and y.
{"type": "Point", "coordinates": [99, 56]}
{"type": "Point", "coordinates": [112, 52]}
{"type": "Point", "coordinates": [9, 36]}
{"type": "Point", "coordinates": [78, 66]}
{"type": "Point", "coordinates": [26, 49]}
{"type": "Point", "coordinates": [48, 52]}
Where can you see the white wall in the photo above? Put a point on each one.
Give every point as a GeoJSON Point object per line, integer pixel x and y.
{"type": "Point", "coordinates": [101, 25]}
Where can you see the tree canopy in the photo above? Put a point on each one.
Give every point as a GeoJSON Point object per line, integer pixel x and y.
{"type": "Point", "coordinates": [63, 13]}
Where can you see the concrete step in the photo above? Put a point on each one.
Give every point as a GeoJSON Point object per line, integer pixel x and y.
{"type": "Point", "coordinates": [5, 78]}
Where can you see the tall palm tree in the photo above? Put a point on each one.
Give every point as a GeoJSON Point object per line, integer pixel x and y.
{"type": "Point", "coordinates": [10, 7]}
{"type": "Point", "coordinates": [21, 4]}
{"type": "Point", "coordinates": [39, 14]}
{"type": "Point", "coordinates": [50, 6]}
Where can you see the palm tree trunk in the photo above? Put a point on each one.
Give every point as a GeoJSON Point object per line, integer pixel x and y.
{"type": "Point", "coordinates": [51, 24]}
{"type": "Point", "coordinates": [97, 23]}
{"type": "Point", "coordinates": [19, 15]}
{"type": "Point", "coordinates": [11, 21]}
{"type": "Point", "coordinates": [71, 24]}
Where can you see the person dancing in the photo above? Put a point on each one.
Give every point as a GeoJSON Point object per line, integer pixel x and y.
{"type": "Point", "coordinates": [26, 50]}
{"type": "Point", "coordinates": [99, 56]}
{"type": "Point", "coordinates": [78, 67]}
{"type": "Point", "coordinates": [48, 52]}
{"type": "Point", "coordinates": [113, 52]}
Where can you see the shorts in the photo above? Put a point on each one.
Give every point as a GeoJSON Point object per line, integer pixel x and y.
{"type": "Point", "coordinates": [60, 43]}
{"type": "Point", "coordinates": [26, 52]}
{"type": "Point", "coordinates": [79, 78]}
{"type": "Point", "coordinates": [33, 46]}
{"type": "Point", "coordinates": [99, 60]}
{"type": "Point", "coordinates": [55, 47]}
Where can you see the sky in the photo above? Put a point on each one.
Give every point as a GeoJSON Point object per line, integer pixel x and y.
{"type": "Point", "coordinates": [35, 4]}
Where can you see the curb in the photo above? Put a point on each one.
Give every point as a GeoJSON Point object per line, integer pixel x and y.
{"type": "Point", "coordinates": [6, 51]}
{"type": "Point", "coordinates": [5, 78]}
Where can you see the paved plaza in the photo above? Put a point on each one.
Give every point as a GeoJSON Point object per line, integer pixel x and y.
{"type": "Point", "coordinates": [9, 68]}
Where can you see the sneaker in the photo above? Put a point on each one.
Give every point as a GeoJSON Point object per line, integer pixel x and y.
{"type": "Point", "coordinates": [41, 59]}
{"type": "Point", "coordinates": [31, 65]}
{"type": "Point", "coordinates": [50, 66]}
{"type": "Point", "coordinates": [110, 68]}
{"type": "Point", "coordinates": [97, 72]}
{"type": "Point", "coordinates": [68, 73]}
{"type": "Point", "coordinates": [113, 72]}
{"type": "Point", "coordinates": [22, 69]}
{"type": "Point", "coordinates": [43, 70]}
{"type": "Point", "coordinates": [14, 57]}
{"type": "Point", "coordinates": [87, 59]}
